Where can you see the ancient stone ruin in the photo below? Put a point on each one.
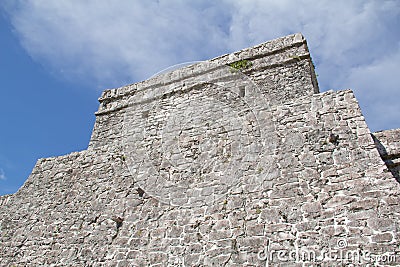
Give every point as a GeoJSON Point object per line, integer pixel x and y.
{"type": "Point", "coordinates": [235, 161]}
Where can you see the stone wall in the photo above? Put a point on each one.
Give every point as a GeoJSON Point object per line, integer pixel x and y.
{"type": "Point", "coordinates": [220, 167]}
{"type": "Point", "coordinates": [281, 70]}
{"type": "Point", "coordinates": [388, 144]}
{"type": "Point", "coordinates": [4, 199]}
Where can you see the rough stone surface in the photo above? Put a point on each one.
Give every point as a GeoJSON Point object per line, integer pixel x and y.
{"type": "Point", "coordinates": [212, 165]}
{"type": "Point", "coordinates": [388, 144]}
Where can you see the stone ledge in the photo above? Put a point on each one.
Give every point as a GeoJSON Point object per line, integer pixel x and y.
{"type": "Point", "coordinates": [268, 49]}
{"type": "Point", "coordinates": [388, 144]}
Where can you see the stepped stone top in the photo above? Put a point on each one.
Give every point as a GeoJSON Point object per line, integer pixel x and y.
{"type": "Point", "coordinates": [271, 47]}
{"type": "Point", "coordinates": [234, 161]}
{"type": "Point", "coordinates": [278, 52]}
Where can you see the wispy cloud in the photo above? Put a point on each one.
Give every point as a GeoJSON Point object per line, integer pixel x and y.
{"type": "Point", "coordinates": [2, 174]}
{"type": "Point", "coordinates": [111, 43]}
{"type": "Point", "coordinates": [115, 42]}
{"type": "Point", "coordinates": [377, 87]}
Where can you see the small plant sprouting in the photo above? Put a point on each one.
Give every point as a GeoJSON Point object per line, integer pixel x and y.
{"type": "Point", "coordinates": [295, 57]}
{"type": "Point", "coordinates": [240, 65]}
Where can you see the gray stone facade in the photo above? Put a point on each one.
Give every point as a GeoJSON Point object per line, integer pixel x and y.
{"type": "Point", "coordinates": [236, 161]}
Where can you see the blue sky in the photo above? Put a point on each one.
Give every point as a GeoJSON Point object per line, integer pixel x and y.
{"type": "Point", "coordinates": [57, 56]}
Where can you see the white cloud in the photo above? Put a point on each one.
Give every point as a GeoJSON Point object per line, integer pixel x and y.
{"type": "Point", "coordinates": [111, 43]}
{"type": "Point", "coordinates": [341, 34]}
{"type": "Point", "coordinates": [2, 174]}
{"type": "Point", "coordinates": [377, 87]}
{"type": "Point", "coordinates": [118, 42]}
